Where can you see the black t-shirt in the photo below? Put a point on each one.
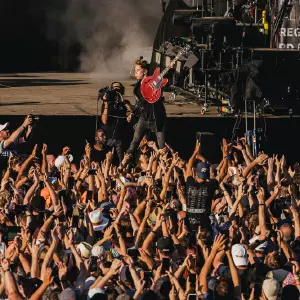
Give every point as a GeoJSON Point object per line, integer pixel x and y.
{"type": "Point", "coordinates": [199, 198]}
{"type": "Point", "coordinates": [149, 111]}
{"type": "Point", "coordinates": [116, 120]}
{"type": "Point", "coordinates": [100, 155]}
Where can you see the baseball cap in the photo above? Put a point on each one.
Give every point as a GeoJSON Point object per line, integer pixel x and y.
{"type": "Point", "coordinates": [98, 251]}
{"type": "Point", "coordinates": [67, 294]}
{"type": "Point", "coordinates": [125, 275]}
{"type": "Point", "coordinates": [3, 126]}
{"type": "Point", "coordinates": [239, 255]}
{"type": "Point", "coordinates": [89, 282]}
{"type": "Point", "coordinates": [270, 288]}
{"type": "Point", "coordinates": [94, 291]}
{"type": "Point", "coordinates": [202, 170]}
{"type": "Point", "coordinates": [165, 244]}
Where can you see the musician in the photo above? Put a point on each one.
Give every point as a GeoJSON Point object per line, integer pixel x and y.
{"type": "Point", "coordinates": [151, 116]}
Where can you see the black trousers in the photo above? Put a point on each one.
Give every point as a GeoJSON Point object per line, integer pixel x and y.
{"type": "Point", "coordinates": [142, 126]}
{"type": "Point", "coordinates": [117, 144]}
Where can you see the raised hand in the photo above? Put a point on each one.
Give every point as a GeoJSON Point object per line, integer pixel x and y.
{"type": "Point", "coordinates": [44, 149]}
{"type": "Point", "coordinates": [28, 121]}
{"type": "Point", "coordinates": [88, 150]}
{"type": "Point", "coordinates": [115, 266]}
{"type": "Point", "coordinates": [108, 233]}
{"type": "Point", "coordinates": [261, 158]}
{"type": "Point", "coordinates": [48, 278]}
{"type": "Point", "coordinates": [33, 153]}
{"type": "Point", "coordinates": [283, 162]}
{"type": "Point", "coordinates": [62, 271]}
{"type": "Point", "coordinates": [197, 147]}
{"type": "Point", "coordinates": [65, 150]}
{"type": "Point", "coordinates": [261, 195]}
{"type": "Point", "coordinates": [219, 243]}
{"type": "Point", "coordinates": [271, 161]}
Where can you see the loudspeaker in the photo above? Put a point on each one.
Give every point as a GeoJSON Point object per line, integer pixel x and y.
{"type": "Point", "coordinates": [209, 144]}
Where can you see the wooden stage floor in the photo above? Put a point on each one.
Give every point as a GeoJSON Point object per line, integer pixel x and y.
{"type": "Point", "coordinates": [72, 94]}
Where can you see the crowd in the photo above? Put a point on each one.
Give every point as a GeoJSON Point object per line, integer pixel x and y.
{"type": "Point", "coordinates": [145, 224]}
{"type": "Point", "coordinates": [152, 226]}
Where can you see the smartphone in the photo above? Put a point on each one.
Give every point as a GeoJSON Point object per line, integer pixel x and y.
{"type": "Point", "coordinates": [192, 297]}
{"type": "Point", "coordinates": [192, 278]}
{"type": "Point", "coordinates": [198, 137]}
{"type": "Point", "coordinates": [147, 278]}
{"type": "Point", "coordinates": [12, 232]}
{"type": "Point", "coordinates": [52, 180]}
{"type": "Point", "coordinates": [257, 290]}
{"type": "Point", "coordinates": [92, 172]}
{"type": "Point", "coordinates": [75, 220]}
{"type": "Point", "coordinates": [86, 141]}
{"type": "Point", "coordinates": [2, 249]}
{"type": "Point", "coordinates": [134, 253]}
{"type": "Point", "coordinates": [165, 265]}
{"type": "Point", "coordinates": [169, 195]}
{"type": "Point", "coordinates": [94, 264]}
{"type": "Point", "coordinates": [113, 184]}
{"type": "Point", "coordinates": [89, 195]}
{"type": "Point", "coordinates": [143, 173]}
{"type": "Point", "coordinates": [71, 182]}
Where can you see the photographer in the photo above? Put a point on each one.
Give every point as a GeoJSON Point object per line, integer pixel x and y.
{"type": "Point", "coordinates": [113, 116]}
{"type": "Point", "coordinates": [8, 141]}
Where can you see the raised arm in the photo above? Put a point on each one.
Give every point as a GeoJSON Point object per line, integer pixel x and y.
{"type": "Point", "coordinates": [27, 162]}
{"type": "Point", "coordinates": [13, 137]}
{"type": "Point", "coordinates": [11, 287]}
{"type": "Point", "coordinates": [261, 212]}
{"type": "Point", "coordinates": [49, 255]}
{"type": "Point", "coordinates": [190, 164]}
{"type": "Point", "coordinates": [217, 246]}
{"type": "Point", "coordinates": [259, 160]}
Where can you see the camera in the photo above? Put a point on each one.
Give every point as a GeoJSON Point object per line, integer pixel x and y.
{"type": "Point", "coordinates": [115, 92]}
{"type": "Point", "coordinates": [104, 92]}
{"type": "Point", "coordinates": [35, 119]}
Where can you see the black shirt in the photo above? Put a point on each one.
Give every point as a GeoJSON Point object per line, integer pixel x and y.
{"type": "Point", "coordinates": [149, 111]}
{"type": "Point", "coordinates": [100, 155]}
{"type": "Point", "coordinates": [116, 120]}
{"type": "Point", "coordinates": [199, 198]}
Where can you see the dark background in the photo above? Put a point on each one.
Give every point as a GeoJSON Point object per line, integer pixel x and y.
{"type": "Point", "coordinates": [51, 35]}
{"type": "Point", "coordinates": [181, 134]}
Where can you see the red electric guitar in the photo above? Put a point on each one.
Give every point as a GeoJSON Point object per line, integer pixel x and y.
{"type": "Point", "coordinates": [151, 86]}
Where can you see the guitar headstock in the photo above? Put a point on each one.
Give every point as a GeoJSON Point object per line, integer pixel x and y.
{"type": "Point", "coordinates": [186, 49]}
{"type": "Point", "coordinates": [185, 44]}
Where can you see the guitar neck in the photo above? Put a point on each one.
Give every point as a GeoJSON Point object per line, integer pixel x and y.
{"type": "Point", "coordinates": [166, 70]}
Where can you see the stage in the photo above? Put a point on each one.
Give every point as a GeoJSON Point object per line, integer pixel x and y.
{"type": "Point", "coordinates": [66, 103]}
{"type": "Point", "coordinates": [75, 94]}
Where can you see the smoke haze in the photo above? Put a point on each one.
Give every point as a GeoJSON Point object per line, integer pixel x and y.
{"type": "Point", "coordinates": [112, 33]}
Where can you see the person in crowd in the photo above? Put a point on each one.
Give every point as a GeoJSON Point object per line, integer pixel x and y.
{"type": "Point", "coordinates": [99, 151]}
{"type": "Point", "coordinates": [10, 140]}
{"type": "Point", "coordinates": [160, 229]}
{"type": "Point", "coordinates": [113, 116]}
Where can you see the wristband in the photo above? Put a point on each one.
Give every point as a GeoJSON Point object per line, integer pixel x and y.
{"type": "Point", "coordinates": [261, 204]}
{"type": "Point", "coordinates": [80, 179]}
{"type": "Point", "coordinates": [153, 232]}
